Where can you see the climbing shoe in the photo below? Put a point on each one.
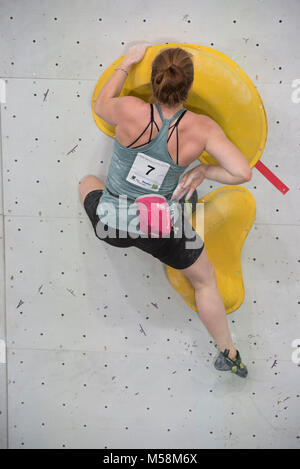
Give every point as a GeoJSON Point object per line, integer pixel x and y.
{"type": "Point", "coordinates": [235, 365]}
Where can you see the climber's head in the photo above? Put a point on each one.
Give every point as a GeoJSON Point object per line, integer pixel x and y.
{"type": "Point", "coordinates": [172, 76]}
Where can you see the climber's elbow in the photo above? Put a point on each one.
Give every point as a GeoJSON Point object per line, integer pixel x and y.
{"type": "Point", "coordinates": [248, 175]}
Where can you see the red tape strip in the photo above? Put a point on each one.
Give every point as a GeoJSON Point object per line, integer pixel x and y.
{"type": "Point", "coordinates": [271, 177]}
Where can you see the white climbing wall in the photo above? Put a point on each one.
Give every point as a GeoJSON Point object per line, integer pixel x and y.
{"type": "Point", "coordinates": [101, 352]}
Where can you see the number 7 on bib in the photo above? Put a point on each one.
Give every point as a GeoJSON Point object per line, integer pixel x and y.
{"type": "Point", "coordinates": [147, 172]}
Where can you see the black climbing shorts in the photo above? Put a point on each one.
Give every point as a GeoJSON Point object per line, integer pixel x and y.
{"type": "Point", "coordinates": [170, 250]}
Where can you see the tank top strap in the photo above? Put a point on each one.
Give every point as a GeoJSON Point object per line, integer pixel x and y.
{"type": "Point", "coordinates": [168, 121]}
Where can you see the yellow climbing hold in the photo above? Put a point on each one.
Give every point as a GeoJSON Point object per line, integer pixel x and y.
{"type": "Point", "coordinates": [229, 213]}
{"type": "Point", "coordinates": [221, 90]}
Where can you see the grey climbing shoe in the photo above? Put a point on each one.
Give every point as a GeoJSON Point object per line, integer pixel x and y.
{"type": "Point", "coordinates": [235, 365]}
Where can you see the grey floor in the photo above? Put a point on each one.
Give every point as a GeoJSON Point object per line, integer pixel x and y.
{"type": "Point", "coordinates": [101, 352]}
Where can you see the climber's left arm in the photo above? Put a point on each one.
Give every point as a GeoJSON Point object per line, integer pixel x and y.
{"type": "Point", "coordinates": [108, 105]}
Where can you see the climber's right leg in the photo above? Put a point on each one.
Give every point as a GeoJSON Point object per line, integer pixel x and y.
{"type": "Point", "coordinates": [209, 302]}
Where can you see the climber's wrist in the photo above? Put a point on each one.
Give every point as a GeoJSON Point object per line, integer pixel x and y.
{"type": "Point", "coordinates": [202, 169]}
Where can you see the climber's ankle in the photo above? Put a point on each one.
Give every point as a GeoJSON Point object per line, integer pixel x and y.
{"type": "Point", "coordinates": [232, 352]}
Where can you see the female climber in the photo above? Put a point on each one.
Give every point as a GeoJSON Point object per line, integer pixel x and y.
{"type": "Point", "coordinates": [167, 138]}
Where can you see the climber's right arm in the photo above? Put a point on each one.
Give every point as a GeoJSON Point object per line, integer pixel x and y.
{"type": "Point", "coordinates": [233, 166]}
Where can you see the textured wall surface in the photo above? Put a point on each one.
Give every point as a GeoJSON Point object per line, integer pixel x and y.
{"type": "Point", "coordinates": [100, 351]}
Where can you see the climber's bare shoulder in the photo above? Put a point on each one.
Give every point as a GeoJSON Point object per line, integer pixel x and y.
{"type": "Point", "coordinates": [193, 129]}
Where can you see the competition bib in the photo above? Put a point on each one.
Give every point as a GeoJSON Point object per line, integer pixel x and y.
{"type": "Point", "coordinates": [147, 172]}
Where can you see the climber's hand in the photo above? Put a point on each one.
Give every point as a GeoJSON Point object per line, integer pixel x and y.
{"type": "Point", "coordinates": [190, 181]}
{"type": "Point", "coordinates": [136, 53]}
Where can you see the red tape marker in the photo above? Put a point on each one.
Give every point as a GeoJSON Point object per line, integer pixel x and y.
{"type": "Point", "coordinates": [271, 177]}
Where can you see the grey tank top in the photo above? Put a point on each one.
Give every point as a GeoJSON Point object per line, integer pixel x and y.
{"type": "Point", "coordinates": [143, 170]}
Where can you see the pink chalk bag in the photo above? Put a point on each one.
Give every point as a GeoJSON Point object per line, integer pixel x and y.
{"type": "Point", "coordinates": [154, 215]}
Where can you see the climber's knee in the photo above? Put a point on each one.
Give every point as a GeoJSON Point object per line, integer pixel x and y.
{"type": "Point", "coordinates": [201, 272]}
